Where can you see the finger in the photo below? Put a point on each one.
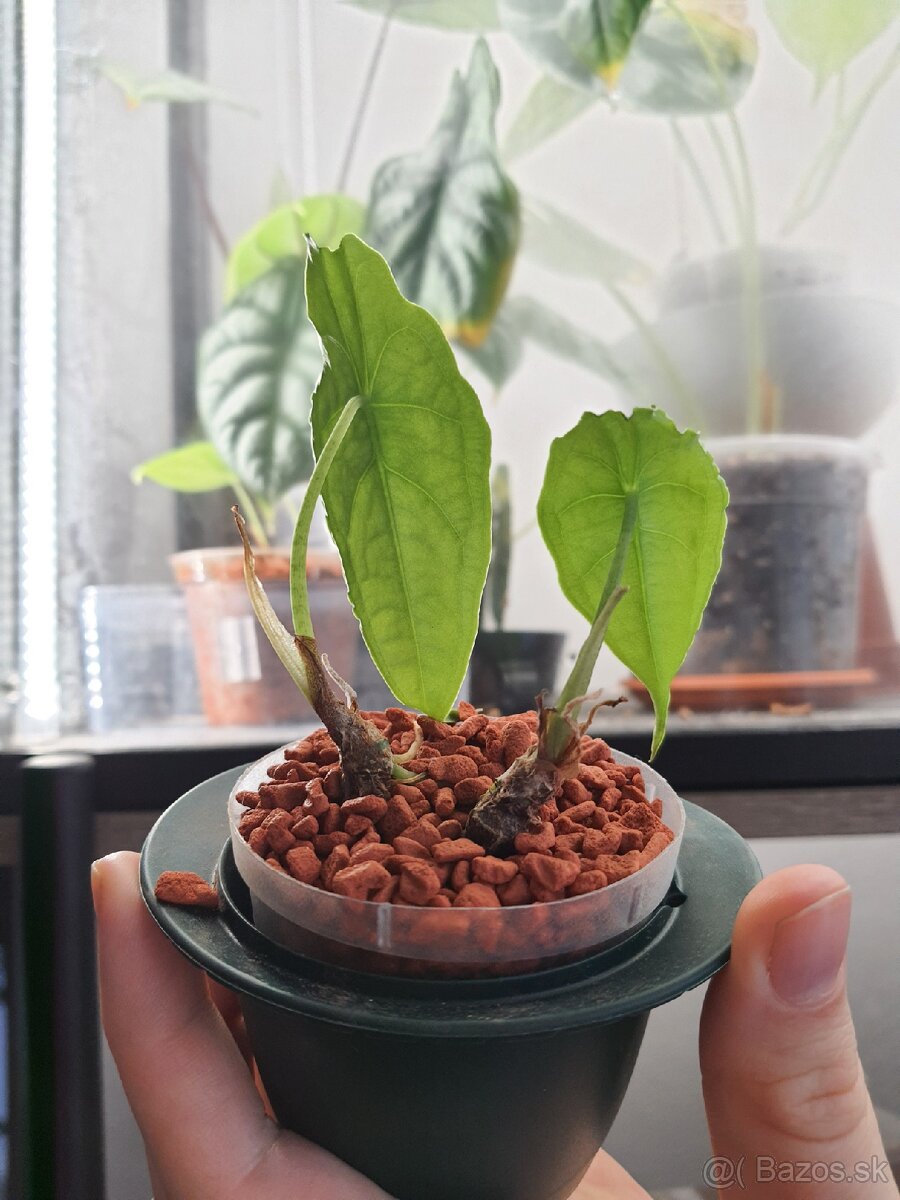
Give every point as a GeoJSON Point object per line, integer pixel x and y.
{"type": "Point", "coordinates": [781, 1075]}
{"type": "Point", "coordinates": [229, 1009]}
{"type": "Point", "coordinates": [606, 1180]}
{"type": "Point", "coordinates": [203, 1123]}
{"type": "Point", "coordinates": [184, 1077]}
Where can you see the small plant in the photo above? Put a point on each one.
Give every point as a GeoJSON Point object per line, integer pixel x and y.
{"type": "Point", "coordinates": [632, 510]}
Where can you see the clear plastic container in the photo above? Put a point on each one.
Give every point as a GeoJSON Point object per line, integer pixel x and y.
{"type": "Point", "coordinates": [786, 598]}
{"type": "Point", "coordinates": [137, 657]}
{"type": "Point", "coordinates": [457, 942]}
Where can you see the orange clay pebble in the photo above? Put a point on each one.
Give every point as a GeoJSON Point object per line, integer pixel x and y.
{"type": "Point", "coordinates": [575, 792]}
{"type": "Point", "coordinates": [369, 852]}
{"type": "Point", "coordinates": [493, 870]}
{"type": "Point", "coordinates": [515, 740]}
{"type": "Point", "coordinates": [460, 875]}
{"type": "Point", "coordinates": [444, 802]}
{"type": "Point", "coordinates": [549, 874]}
{"type": "Point", "coordinates": [186, 889]}
{"type": "Point", "coordinates": [514, 892]}
{"type": "Point", "coordinates": [306, 827]}
{"type": "Point", "coordinates": [656, 844]}
{"type": "Point", "coordinates": [470, 791]}
{"type": "Point", "coordinates": [462, 849]}
{"type": "Point", "coordinates": [373, 807]}
{"type": "Point", "coordinates": [587, 881]}
{"type": "Point", "coordinates": [411, 848]}
{"type": "Point", "coordinates": [424, 833]}
{"type": "Point", "coordinates": [602, 841]}
{"type": "Point", "coordinates": [618, 866]}
{"type": "Point", "coordinates": [477, 895]}
{"type": "Point", "coordinates": [336, 861]}
{"type": "Point", "coordinates": [399, 816]}
{"type": "Point", "coordinates": [302, 863]}
{"type": "Point", "coordinates": [358, 880]}
{"type": "Point", "coordinates": [450, 769]}
{"type": "Point", "coordinates": [630, 839]}
{"type": "Point", "coordinates": [419, 883]}
{"type": "Point", "coordinates": [528, 843]}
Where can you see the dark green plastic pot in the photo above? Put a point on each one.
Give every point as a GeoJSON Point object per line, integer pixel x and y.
{"type": "Point", "coordinates": [510, 668]}
{"type": "Point", "coordinates": [498, 1089]}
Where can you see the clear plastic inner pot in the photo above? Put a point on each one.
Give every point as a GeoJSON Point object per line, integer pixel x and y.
{"type": "Point", "coordinates": [450, 941]}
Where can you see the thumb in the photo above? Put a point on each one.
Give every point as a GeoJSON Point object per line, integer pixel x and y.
{"type": "Point", "coordinates": [782, 1081]}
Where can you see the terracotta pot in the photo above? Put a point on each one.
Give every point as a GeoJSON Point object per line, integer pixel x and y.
{"type": "Point", "coordinates": [241, 679]}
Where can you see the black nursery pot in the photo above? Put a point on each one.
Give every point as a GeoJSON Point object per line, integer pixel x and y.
{"type": "Point", "coordinates": [509, 668]}
{"type": "Point", "coordinates": [495, 1089]}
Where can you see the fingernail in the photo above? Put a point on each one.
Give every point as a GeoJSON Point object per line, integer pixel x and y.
{"type": "Point", "coordinates": [808, 950]}
{"type": "Point", "coordinates": [98, 874]}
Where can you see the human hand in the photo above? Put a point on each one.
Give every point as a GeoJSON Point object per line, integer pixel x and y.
{"type": "Point", "coordinates": [781, 1074]}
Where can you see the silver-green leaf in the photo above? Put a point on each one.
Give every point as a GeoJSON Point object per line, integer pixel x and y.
{"type": "Point", "coordinates": [559, 242]}
{"type": "Point", "coordinates": [585, 42]}
{"type": "Point", "coordinates": [611, 467]}
{"type": "Point", "coordinates": [408, 494]}
{"type": "Point", "coordinates": [447, 217]}
{"type": "Point", "coordinates": [257, 369]}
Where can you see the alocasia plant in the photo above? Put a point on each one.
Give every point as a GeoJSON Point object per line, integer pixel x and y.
{"type": "Point", "coordinates": [632, 510]}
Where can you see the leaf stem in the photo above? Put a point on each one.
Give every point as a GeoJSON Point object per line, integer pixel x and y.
{"type": "Point", "coordinates": [255, 524]}
{"type": "Point", "coordinates": [658, 351]}
{"type": "Point", "coordinates": [559, 731]}
{"type": "Point", "coordinates": [299, 591]}
{"type": "Point", "coordinates": [365, 95]}
{"type": "Point", "coordinates": [824, 166]}
{"type": "Point", "coordinates": [694, 170]}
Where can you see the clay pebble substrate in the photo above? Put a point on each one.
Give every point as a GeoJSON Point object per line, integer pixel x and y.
{"type": "Point", "coordinates": [413, 850]}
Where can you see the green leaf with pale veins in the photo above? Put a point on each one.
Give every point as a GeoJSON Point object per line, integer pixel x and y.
{"type": "Point", "coordinates": [546, 328]}
{"type": "Point", "coordinates": [675, 548]}
{"type": "Point", "coordinates": [408, 495]}
{"type": "Point", "coordinates": [581, 41]}
{"type": "Point", "coordinates": [446, 217]}
{"type": "Point", "coordinates": [551, 105]}
{"type": "Point", "coordinates": [464, 15]}
{"type": "Point", "coordinates": [825, 35]}
{"type": "Point", "coordinates": [195, 467]}
{"type": "Point", "coordinates": [257, 369]}
{"type": "Point", "coordinates": [283, 233]}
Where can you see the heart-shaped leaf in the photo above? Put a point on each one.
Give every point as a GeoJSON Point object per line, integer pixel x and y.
{"type": "Point", "coordinates": [257, 369]}
{"type": "Point", "coordinates": [408, 494]}
{"type": "Point", "coordinates": [696, 58]}
{"type": "Point", "coordinates": [825, 35]}
{"type": "Point", "coordinates": [541, 325]}
{"type": "Point", "coordinates": [499, 356]}
{"type": "Point", "coordinates": [447, 217]}
{"type": "Point", "coordinates": [582, 41]}
{"type": "Point", "coordinates": [195, 467]}
{"type": "Point", "coordinates": [283, 232]}
{"type": "Point", "coordinates": [166, 86]}
{"type": "Point", "coordinates": [613, 477]}
{"type": "Point", "coordinates": [474, 15]}
{"type": "Point", "coordinates": [551, 105]}
{"type": "Point", "coordinates": [558, 241]}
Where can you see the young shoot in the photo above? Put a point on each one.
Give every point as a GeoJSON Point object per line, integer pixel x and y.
{"type": "Point", "coordinates": [633, 512]}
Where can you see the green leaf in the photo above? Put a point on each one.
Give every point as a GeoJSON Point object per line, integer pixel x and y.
{"type": "Point", "coordinates": [551, 105]}
{"type": "Point", "coordinates": [283, 233]}
{"type": "Point", "coordinates": [167, 86]}
{"type": "Point", "coordinates": [698, 59]}
{"type": "Point", "coordinates": [541, 325]}
{"type": "Point", "coordinates": [561, 243]}
{"type": "Point", "coordinates": [195, 467]}
{"type": "Point", "coordinates": [408, 498]}
{"type": "Point", "coordinates": [676, 543]}
{"type": "Point", "coordinates": [447, 217]}
{"type": "Point", "coordinates": [825, 35]}
{"type": "Point", "coordinates": [257, 369]}
{"type": "Point", "coordinates": [473, 15]}
{"type": "Point", "coordinates": [581, 41]}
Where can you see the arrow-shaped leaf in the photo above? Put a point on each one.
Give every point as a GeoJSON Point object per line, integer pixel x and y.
{"type": "Point", "coordinates": [166, 86]}
{"type": "Point", "coordinates": [408, 493]}
{"type": "Point", "coordinates": [447, 217]}
{"type": "Point", "coordinates": [582, 41]}
{"type": "Point", "coordinates": [257, 369]}
{"type": "Point", "coordinates": [825, 35]}
{"type": "Point", "coordinates": [284, 231]}
{"type": "Point", "coordinates": [195, 467]}
{"type": "Point", "coordinates": [559, 242]}
{"type": "Point", "coordinates": [639, 479]}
